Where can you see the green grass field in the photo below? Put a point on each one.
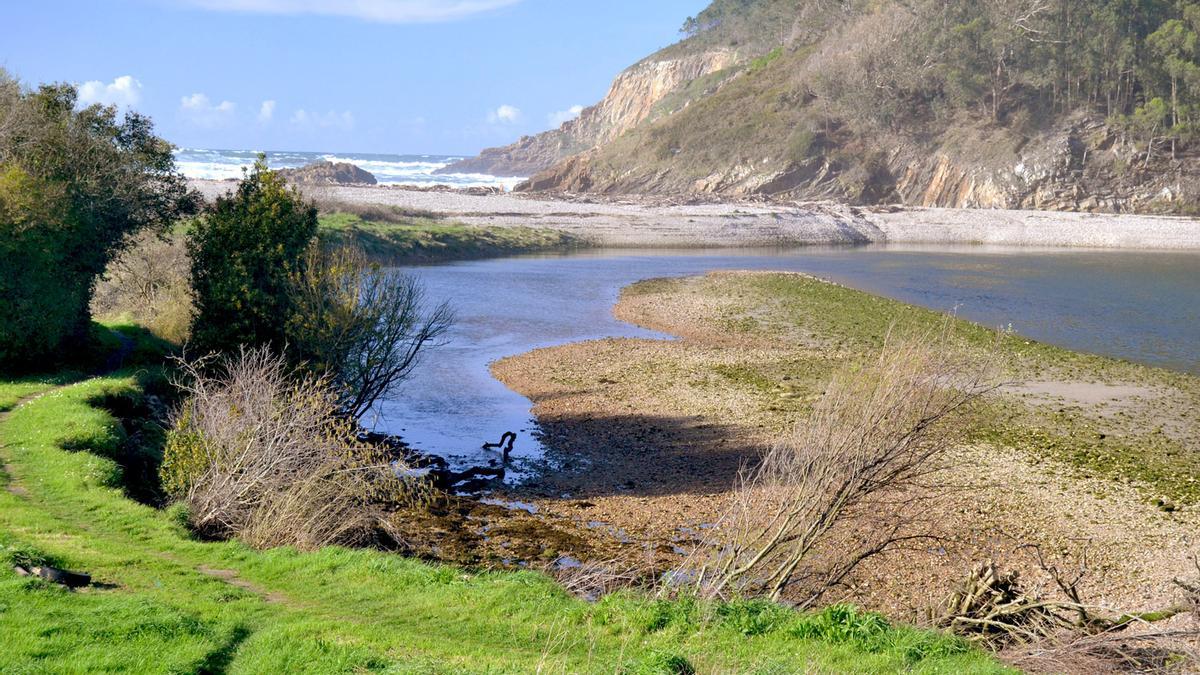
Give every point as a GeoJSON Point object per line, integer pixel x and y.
{"type": "Point", "coordinates": [419, 239]}
{"type": "Point", "coordinates": [166, 602]}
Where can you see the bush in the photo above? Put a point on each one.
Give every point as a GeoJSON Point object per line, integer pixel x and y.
{"type": "Point", "coordinates": [149, 283]}
{"type": "Point", "coordinates": [257, 453]}
{"type": "Point", "coordinates": [245, 252]}
{"type": "Point", "coordinates": [75, 184]}
{"type": "Point", "coordinates": [848, 483]}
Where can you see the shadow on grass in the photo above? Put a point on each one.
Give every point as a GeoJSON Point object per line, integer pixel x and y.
{"type": "Point", "coordinates": [219, 660]}
{"type": "Point", "coordinates": [142, 415]}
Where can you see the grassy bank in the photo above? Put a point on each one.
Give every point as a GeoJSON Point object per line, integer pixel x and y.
{"type": "Point", "coordinates": [419, 239]}
{"type": "Point", "coordinates": [165, 602]}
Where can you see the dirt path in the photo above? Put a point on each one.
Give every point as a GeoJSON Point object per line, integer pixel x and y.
{"type": "Point", "coordinates": [10, 483]}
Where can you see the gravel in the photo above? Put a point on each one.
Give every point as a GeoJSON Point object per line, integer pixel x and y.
{"type": "Point", "coordinates": [651, 221]}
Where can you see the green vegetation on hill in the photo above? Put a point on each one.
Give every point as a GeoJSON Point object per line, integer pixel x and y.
{"type": "Point", "coordinates": [863, 94]}
{"type": "Point", "coordinates": [421, 239]}
{"type": "Point", "coordinates": [166, 602]}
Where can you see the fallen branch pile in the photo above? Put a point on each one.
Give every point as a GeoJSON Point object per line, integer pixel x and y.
{"type": "Point", "coordinates": [994, 607]}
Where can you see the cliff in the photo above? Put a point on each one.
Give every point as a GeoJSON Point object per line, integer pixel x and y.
{"type": "Point", "coordinates": [929, 102]}
{"type": "Point", "coordinates": [634, 95]}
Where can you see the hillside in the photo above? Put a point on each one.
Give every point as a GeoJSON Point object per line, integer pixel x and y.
{"type": "Point", "coordinates": [1012, 104]}
{"type": "Point", "coordinates": [662, 83]}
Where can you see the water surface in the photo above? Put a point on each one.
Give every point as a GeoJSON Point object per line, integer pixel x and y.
{"type": "Point", "coordinates": [1141, 306]}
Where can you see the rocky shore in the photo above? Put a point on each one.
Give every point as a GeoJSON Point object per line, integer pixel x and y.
{"type": "Point", "coordinates": [664, 222]}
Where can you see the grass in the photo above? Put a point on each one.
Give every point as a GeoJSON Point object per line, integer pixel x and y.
{"type": "Point", "coordinates": [169, 603]}
{"type": "Point", "coordinates": [422, 239]}
{"type": "Point", "coordinates": [842, 323]}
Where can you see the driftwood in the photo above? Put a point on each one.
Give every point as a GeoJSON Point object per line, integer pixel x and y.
{"type": "Point", "coordinates": [56, 575]}
{"type": "Point", "coordinates": [436, 469]}
{"type": "Point", "coordinates": [994, 607]}
{"type": "Point", "coordinates": [505, 445]}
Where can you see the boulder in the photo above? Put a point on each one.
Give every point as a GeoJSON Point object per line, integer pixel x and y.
{"type": "Point", "coordinates": [328, 173]}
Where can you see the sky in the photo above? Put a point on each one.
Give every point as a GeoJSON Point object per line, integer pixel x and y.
{"type": "Point", "coordinates": [384, 76]}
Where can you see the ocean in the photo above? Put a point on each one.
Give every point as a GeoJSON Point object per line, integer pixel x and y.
{"type": "Point", "coordinates": [388, 169]}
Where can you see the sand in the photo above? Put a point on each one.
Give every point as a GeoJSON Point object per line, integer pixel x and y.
{"type": "Point", "coordinates": [657, 221]}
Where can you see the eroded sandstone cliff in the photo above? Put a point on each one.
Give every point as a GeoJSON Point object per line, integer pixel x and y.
{"type": "Point", "coordinates": [633, 97]}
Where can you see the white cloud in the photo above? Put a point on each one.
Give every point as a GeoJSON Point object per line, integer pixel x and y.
{"type": "Point", "coordinates": [557, 118]}
{"type": "Point", "coordinates": [266, 111]}
{"type": "Point", "coordinates": [122, 91]}
{"type": "Point", "coordinates": [199, 110]}
{"type": "Point", "coordinates": [505, 114]}
{"type": "Point", "coordinates": [386, 11]}
{"type": "Point", "coordinates": [329, 120]}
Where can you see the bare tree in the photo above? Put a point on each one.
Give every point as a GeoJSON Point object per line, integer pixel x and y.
{"type": "Point", "coordinates": [149, 282]}
{"type": "Point", "coordinates": [362, 326]}
{"type": "Point", "coordinates": [844, 486]}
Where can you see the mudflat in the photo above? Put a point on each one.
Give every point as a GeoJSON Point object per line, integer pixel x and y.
{"type": "Point", "coordinates": [1089, 457]}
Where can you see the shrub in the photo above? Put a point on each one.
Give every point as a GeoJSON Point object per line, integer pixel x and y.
{"type": "Point", "coordinates": [149, 283]}
{"type": "Point", "coordinates": [245, 252]}
{"type": "Point", "coordinates": [75, 184]}
{"type": "Point", "coordinates": [257, 453]}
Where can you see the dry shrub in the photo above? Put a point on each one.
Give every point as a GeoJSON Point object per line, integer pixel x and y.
{"type": "Point", "coordinates": [258, 453]}
{"type": "Point", "coordinates": [150, 284]}
{"type": "Point", "coordinates": [594, 579]}
{"type": "Point", "coordinates": [848, 482]}
{"type": "Point", "coordinates": [1051, 627]}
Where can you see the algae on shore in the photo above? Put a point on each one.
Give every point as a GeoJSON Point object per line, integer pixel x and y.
{"type": "Point", "coordinates": [658, 430]}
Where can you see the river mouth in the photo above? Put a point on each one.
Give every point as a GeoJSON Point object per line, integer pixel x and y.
{"type": "Point", "coordinates": [1136, 305]}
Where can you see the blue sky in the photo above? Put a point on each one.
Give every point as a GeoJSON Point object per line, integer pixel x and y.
{"type": "Point", "coordinates": [389, 76]}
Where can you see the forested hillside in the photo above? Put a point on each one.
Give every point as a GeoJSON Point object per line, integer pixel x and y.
{"type": "Point", "coordinates": [1075, 104]}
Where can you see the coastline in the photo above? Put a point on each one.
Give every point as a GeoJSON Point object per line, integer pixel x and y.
{"type": "Point", "coordinates": [656, 222]}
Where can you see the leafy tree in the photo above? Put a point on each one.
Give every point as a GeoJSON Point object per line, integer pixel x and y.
{"type": "Point", "coordinates": [261, 278]}
{"type": "Point", "coordinates": [1177, 45]}
{"type": "Point", "coordinates": [76, 185]}
{"type": "Point", "coordinates": [244, 253]}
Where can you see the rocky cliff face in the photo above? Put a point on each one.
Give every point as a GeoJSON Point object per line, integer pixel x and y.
{"type": "Point", "coordinates": [1084, 166]}
{"type": "Point", "coordinates": [632, 98]}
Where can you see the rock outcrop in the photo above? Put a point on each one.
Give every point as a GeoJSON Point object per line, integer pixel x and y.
{"type": "Point", "coordinates": [1083, 166]}
{"type": "Point", "coordinates": [633, 97]}
{"type": "Point", "coordinates": [328, 173]}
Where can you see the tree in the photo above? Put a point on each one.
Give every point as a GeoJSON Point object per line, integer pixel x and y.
{"type": "Point", "coordinates": [361, 327]}
{"type": "Point", "coordinates": [245, 253]}
{"type": "Point", "coordinates": [1177, 45]}
{"type": "Point", "coordinates": [76, 185]}
{"type": "Point", "coordinates": [261, 278]}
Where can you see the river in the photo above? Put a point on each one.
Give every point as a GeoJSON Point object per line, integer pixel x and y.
{"type": "Point", "coordinates": [1143, 306]}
